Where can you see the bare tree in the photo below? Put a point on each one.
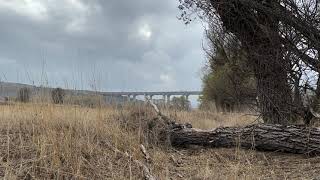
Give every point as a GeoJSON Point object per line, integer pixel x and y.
{"type": "Point", "coordinates": [24, 95]}
{"type": "Point", "coordinates": [57, 95]}
{"type": "Point", "coordinates": [282, 41]}
{"type": "Point", "coordinates": [180, 103]}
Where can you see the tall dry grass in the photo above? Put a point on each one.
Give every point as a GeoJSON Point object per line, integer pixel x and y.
{"type": "Point", "coordinates": [46, 141]}
{"type": "Point", "coordinates": [55, 141]}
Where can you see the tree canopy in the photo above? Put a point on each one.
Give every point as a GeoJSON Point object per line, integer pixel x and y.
{"type": "Point", "coordinates": [281, 39]}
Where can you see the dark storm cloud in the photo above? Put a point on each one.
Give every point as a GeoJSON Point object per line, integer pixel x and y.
{"type": "Point", "coordinates": [117, 45]}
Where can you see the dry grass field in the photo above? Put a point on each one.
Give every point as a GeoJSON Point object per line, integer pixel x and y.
{"type": "Point", "coordinates": [46, 141]}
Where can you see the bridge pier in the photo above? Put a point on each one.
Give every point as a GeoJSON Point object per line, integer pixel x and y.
{"type": "Point", "coordinates": [187, 97]}
{"type": "Point", "coordinates": [168, 99]}
{"type": "Point", "coordinates": [129, 97]}
{"type": "Point", "coordinates": [148, 97]}
{"type": "Point", "coordinates": [134, 97]}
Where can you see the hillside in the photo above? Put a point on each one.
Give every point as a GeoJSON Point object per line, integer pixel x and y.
{"type": "Point", "coordinates": [9, 89]}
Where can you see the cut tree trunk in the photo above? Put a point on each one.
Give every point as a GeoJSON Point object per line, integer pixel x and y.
{"type": "Point", "coordinates": [264, 137]}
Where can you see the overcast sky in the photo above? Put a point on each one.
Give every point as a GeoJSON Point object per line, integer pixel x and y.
{"type": "Point", "coordinates": [112, 45]}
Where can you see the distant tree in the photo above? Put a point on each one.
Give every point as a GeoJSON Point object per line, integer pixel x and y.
{"type": "Point", "coordinates": [24, 95]}
{"type": "Point", "coordinates": [57, 95]}
{"type": "Point", "coordinates": [228, 81]}
{"type": "Point", "coordinates": [180, 103]}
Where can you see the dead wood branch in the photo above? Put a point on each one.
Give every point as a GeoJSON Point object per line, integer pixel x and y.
{"type": "Point", "coordinates": [170, 122]}
{"type": "Point", "coordinates": [145, 153]}
{"type": "Point", "coordinates": [146, 171]}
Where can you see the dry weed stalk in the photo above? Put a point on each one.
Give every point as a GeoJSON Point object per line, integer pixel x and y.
{"type": "Point", "coordinates": [45, 141]}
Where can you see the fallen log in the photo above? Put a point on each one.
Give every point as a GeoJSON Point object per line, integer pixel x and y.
{"type": "Point", "coordinates": [265, 137]}
{"type": "Point", "coordinates": [298, 139]}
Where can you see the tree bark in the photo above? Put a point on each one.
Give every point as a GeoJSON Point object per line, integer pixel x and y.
{"type": "Point", "coordinates": [298, 139]}
{"type": "Point", "coordinates": [259, 34]}
{"type": "Point", "coordinates": [265, 137]}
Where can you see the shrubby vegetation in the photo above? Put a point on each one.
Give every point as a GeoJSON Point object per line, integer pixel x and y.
{"type": "Point", "coordinates": [57, 95]}
{"type": "Point", "coordinates": [180, 103]}
{"type": "Point", "coordinates": [228, 81]}
{"type": "Point", "coordinates": [281, 41]}
{"type": "Point", "coordinates": [24, 95]}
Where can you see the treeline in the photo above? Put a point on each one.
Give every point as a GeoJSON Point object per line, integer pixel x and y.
{"type": "Point", "coordinates": [58, 96]}
{"type": "Point", "coordinates": [24, 95]}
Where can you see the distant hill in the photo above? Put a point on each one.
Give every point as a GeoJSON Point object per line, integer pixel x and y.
{"type": "Point", "coordinates": [9, 89]}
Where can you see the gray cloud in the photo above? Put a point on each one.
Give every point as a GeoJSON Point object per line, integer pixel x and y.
{"type": "Point", "coordinates": [115, 45]}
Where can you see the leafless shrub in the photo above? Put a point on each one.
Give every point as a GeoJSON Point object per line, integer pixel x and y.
{"type": "Point", "coordinates": [24, 95]}
{"type": "Point", "coordinates": [143, 120]}
{"type": "Point", "coordinates": [57, 95]}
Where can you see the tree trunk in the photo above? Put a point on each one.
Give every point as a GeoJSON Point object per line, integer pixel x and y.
{"type": "Point", "coordinates": [271, 70]}
{"type": "Point", "coordinates": [265, 137]}
{"type": "Point", "coordinates": [259, 34]}
{"type": "Point", "coordinates": [273, 89]}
